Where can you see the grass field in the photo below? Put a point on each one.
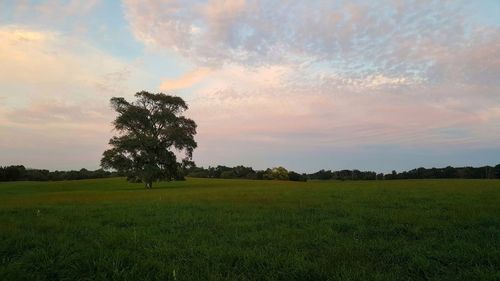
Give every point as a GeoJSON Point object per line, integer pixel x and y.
{"type": "Point", "coordinates": [204, 229]}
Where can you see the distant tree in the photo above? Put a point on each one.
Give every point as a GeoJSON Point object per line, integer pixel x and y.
{"type": "Point", "coordinates": [345, 175]}
{"type": "Point", "coordinates": [243, 172]}
{"type": "Point", "coordinates": [277, 173]}
{"type": "Point", "coordinates": [322, 175]}
{"type": "Point", "coordinates": [227, 175]}
{"type": "Point", "coordinates": [450, 172]}
{"type": "Point", "coordinates": [252, 175]}
{"type": "Point", "coordinates": [150, 129]}
{"type": "Point", "coordinates": [497, 171]}
{"type": "Point", "coordinates": [490, 172]}
{"type": "Point", "coordinates": [2, 174]}
{"type": "Point", "coordinates": [15, 173]}
{"type": "Point", "coordinates": [293, 176]}
{"type": "Point", "coordinates": [268, 174]}
{"type": "Point", "coordinates": [259, 175]}
{"type": "Point", "coordinates": [216, 172]}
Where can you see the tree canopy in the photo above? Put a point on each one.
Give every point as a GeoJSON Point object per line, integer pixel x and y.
{"type": "Point", "coordinates": [150, 131]}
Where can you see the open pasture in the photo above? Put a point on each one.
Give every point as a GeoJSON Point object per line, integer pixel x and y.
{"type": "Point", "coordinates": [206, 229]}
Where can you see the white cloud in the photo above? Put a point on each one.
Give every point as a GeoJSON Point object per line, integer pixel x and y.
{"type": "Point", "coordinates": [185, 81]}
{"type": "Point", "coordinates": [266, 75]}
{"type": "Point", "coordinates": [45, 59]}
{"type": "Point", "coordinates": [56, 90]}
{"type": "Point", "coordinates": [332, 73]}
{"type": "Point", "coordinates": [55, 10]}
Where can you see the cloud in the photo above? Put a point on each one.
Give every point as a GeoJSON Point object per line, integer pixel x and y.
{"type": "Point", "coordinates": [361, 39]}
{"type": "Point", "coordinates": [263, 32]}
{"type": "Point", "coordinates": [44, 58]}
{"type": "Point", "coordinates": [56, 90]}
{"type": "Point", "coordinates": [56, 10]}
{"type": "Point", "coordinates": [297, 118]}
{"type": "Point", "coordinates": [329, 74]}
{"type": "Point", "coordinates": [49, 111]}
{"type": "Point", "coordinates": [185, 81]}
{"type": "Point", "coordinates": [265, 76]}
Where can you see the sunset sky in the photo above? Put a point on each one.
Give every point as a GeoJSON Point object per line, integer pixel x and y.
{"type": "Point", "coordinates": [375, 85]}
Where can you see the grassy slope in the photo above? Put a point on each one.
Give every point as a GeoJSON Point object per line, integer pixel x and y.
{"type": "Point", "coordinates": [250, 230]}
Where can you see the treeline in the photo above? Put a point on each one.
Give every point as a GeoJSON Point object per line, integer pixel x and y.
{"type": "Point", "coordinates": [277, 173]}
{"type": "Point", "coordinates": [485, 172]}
{"type": "Point", "coordinates": [242, 172]}
{"type": "Point", "coordinates": [20, 173]}
{"type": "Point", "coordinates": [345, 175]}
{"type": "Point", "coordinates": [280, 173]}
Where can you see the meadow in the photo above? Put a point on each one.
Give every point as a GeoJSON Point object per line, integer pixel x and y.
{"type": "Point", "coordinates": [210, 229]}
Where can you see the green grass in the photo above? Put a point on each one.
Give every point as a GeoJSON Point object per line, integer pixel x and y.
{"type": "Point", "coordinates": [204, 229]}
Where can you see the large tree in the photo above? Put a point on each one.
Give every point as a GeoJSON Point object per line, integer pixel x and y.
{"type": "Point", "coordinates": [150, 130]}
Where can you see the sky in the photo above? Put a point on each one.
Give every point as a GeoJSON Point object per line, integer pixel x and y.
{"type": "Point", "coordinates": [308, 85]}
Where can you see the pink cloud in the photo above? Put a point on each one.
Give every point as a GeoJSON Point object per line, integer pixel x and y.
{"type": "Point", "coordinates": [185, 81]}
{"type": "Point", "coordinates": [57, 9]}
{"type": "Point", "coordinates": [56, 97]}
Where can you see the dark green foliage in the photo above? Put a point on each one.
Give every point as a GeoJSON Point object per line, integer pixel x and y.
{"type": "Point", "coordinates": [293, 176]}
{"type": "Point", "coordinates": [321, 175]}
{"type": "Point", "coordinates": [20, 173]}
{"type": "Point", "coordinates": [277, 173]}
{"type": "Point", "coordinates": [150, 130]}
{"type": "Point", "coordinates": [486, 172]}
{"type": "Point", "coordinates": [209, 229]}
{"type": "Point", "coordinates": [216, 172]}
{"type": "Point", "coordinates": [343, 175]}
{"type": "Point", "coordinates": [13, 173]}
{"type": "Point", "coordinates": [227, 175]}
{"type": "Point", "coordinates": [242, 172]}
